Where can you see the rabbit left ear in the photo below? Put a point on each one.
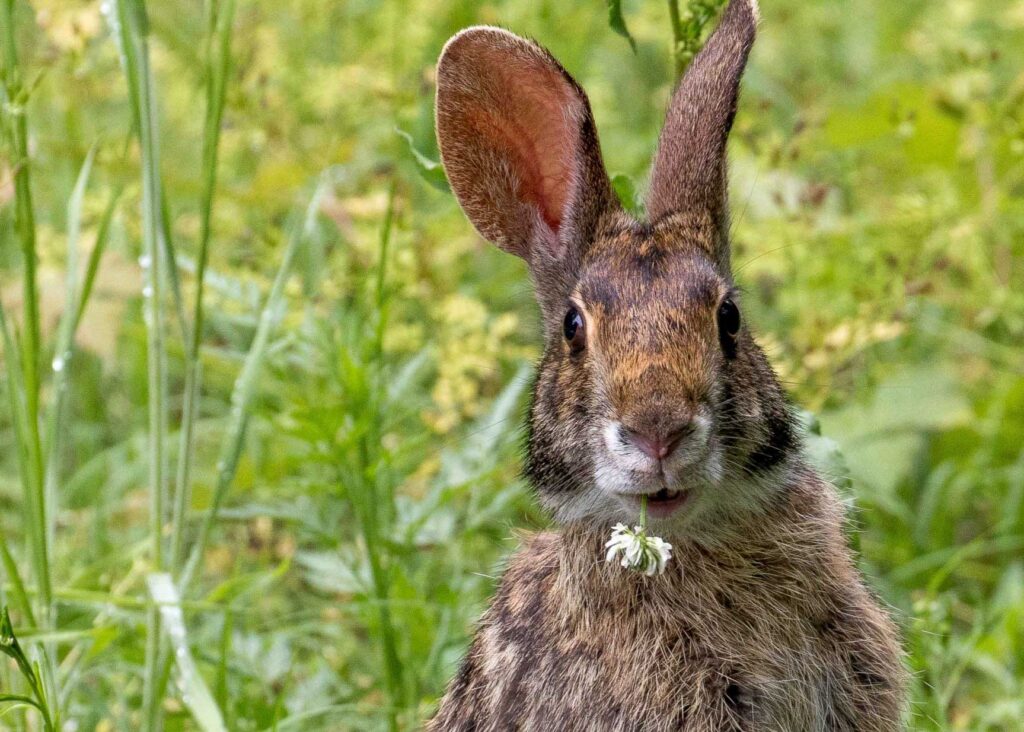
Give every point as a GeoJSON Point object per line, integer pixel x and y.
{"type": "Point", "coordinates": [519, 146]}
{"type": "Point", "coordinates": [689, 167]}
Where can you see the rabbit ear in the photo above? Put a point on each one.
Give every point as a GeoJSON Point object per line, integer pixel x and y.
{"type": "Point", "coordinates": [519, 145]}
{"type": "Point", "coordinates": [689, 167]}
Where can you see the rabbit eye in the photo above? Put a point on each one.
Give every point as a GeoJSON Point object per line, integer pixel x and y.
{"type": "Point", "coordinates": [575, 331]}
{"type": "Point", "coordinates": [728, 326]}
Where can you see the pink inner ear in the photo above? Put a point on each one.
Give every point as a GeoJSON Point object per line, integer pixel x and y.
{"type": "Point", "coordinates": [532, 121]}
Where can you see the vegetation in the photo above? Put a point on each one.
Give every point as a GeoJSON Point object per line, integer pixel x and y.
{"type": "Point", "coordinates": [262, 383]}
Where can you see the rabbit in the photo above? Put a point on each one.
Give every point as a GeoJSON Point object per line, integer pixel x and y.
{"type": "Point", "coordinates": [650, 384]}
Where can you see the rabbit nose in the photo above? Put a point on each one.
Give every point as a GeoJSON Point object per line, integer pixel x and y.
{"type": "Point", "coordinates": [659, 445]}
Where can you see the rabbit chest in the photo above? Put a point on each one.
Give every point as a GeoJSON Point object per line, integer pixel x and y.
{"type": "Point", "coordinates": [773, 637]}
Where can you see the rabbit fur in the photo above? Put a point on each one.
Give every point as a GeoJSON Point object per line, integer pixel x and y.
{"type": "Point", "coordinates": [761, 620]}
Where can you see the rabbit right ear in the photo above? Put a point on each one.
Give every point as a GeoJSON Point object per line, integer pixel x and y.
{"type": "Point", "coordinates": [519, 146]}
{"type": "Point", "coordinates": [689, 167]}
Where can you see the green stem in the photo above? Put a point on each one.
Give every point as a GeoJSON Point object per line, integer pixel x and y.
{"type": "Point", "coordinates": [134, 30]}
{"type": "Point", "coordinates": [678, 40]}
{"type": "Point", "coordinates": [16, 100]}
{"type": "Point", "coordinates": [218, 61]}
{"type": "Point", "coordinates": [643, 512]}
{"type": "Point", "coordinates": [381, 581]}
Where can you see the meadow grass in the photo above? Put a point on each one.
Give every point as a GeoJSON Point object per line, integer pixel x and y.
{"type": "Point", "coordinates": [263, 385]}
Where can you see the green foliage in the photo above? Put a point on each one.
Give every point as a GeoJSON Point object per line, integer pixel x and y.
{"type": "Point", "coordinates": [688, 28]}
{"type": "Point", "coordinates": [343, 364]}
{"type": "Point", "coordinates": [618, 23]}
{"type": "Point", "coordinates": [431, 170]}
{"type": "Point", "coordinates": [10, 647]}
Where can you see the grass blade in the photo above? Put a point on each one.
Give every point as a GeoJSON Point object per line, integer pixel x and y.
{"type": "Point", "coordinates": [245, 385]}
{"type": "Point", "coordinates": [62, 350]}
{"type": "Point", "coordinates": [92, 267]}
{"type": "Point", "coordinates": [194, 691]}
{"type": "Point", "coordinates": [218, 62]}
{"type": "Point", "coordinates": [15, 389]}
{"type": "Point", "coordinates": [30, 452]}
{"type": "Point", "coordinates": [131, 31]}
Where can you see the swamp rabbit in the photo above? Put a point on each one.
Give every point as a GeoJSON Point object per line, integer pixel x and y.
{"type": "Point", "coordinates": [650, 384]}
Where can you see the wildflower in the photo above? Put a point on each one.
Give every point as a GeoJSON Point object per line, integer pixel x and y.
{"type": "Point", "coordinates": [647, 554]}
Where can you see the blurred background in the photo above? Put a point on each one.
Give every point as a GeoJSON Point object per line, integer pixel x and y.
{"type": "Point", "coordinates": [345, 475]}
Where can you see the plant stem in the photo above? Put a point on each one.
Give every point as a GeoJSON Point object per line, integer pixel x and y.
{"type": "Point", "coordinates": [24, 217]}
{"type": "Point", "coordinates": [31, 463]}
{"type": "Point", "coordinates": [677, 38]}
{"type": "Point", "coordinates": [133, 22]}
{"type": "Point", "coordinates": [218, 62]}
{"type": "Point", "coordinates": [643, 511]}
{"type": "Point", "coordinates": [371, 478]}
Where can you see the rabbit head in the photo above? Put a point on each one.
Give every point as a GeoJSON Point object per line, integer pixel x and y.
{"type": "Point", "coordinates": [650, 381]}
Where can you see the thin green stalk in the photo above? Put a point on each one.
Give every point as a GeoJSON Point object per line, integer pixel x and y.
{"type": "Point", "coordinates": [643, 511]}
{"type": "Point", "coordinates": [380, 385]}
{"type": "Point", "coordinates": [370, 477]}
{"type": "Point", "coordinates": [30, 448]}
{"type": "Point", "coordinates": [15, 392]}
{"type": "Point", "coordinates": [678, 40]}
{"type": "Point", "coordinates": [218, 62]}
{"type": "Point", "coordinates": [24, 218]}
{"type": "Point", "coordinates": [62, 349]}
{"type": "Point", "coordinates": [133, 31]}
{"type": "Point", "coordinates": [381, 591]}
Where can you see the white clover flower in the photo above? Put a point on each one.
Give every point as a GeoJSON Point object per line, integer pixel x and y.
{"type": "Point", "coordinates": [647, 554]}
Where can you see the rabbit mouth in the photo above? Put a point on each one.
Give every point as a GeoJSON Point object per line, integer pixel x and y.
{"type": "Point", "coordinates": [663, 495]}
{"type": "Point", "coordinates": [664, 502]}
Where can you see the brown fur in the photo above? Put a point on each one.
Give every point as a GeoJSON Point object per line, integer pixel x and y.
{"type": "Point", "coordinates": [761, 621]}
{"type": "Point", "coordinates": [773, 633]}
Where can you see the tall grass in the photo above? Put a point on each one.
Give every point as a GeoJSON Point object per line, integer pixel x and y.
{"type": "Point", "coordinates": [23, 353]}
{"type": "Point", "coordinates": [25, 399]}
{"type": "Point", "coordinates": [279, 501]}
{"type": "Point", "coordinates": [132, 24]}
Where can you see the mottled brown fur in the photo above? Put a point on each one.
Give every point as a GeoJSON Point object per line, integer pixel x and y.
{"type": "Point", "coordinates": [775, 632]}
{"type": "Point", "coordinates": [761, 621]}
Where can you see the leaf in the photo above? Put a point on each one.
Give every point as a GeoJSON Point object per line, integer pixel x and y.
{"type": "Point", "coordinates": [9, 646]}
{"type": "Point", "coordinates": [625, 189]}
{"type": "Point", "coordinates": [194, 692]}
{"type": "Point", "coordinates": [618, 23]}
{"type": "Point", "coordinates": [245, 385]}
{"type": "Point", "coordinates": [330, 572]}
{"type": "Point", "coordinates": [488, 433]}
{"type": "Point", "coordinates": [431, 170]}
{"type": "Point", "coordinates": [882, 436]}
{"type": "Point", "coordinates": [823, 452]}
{"type": "Point", "coordinates": [17, 700]}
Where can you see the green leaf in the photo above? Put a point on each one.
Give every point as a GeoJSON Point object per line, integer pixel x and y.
{"type": "Point", "coordinates": [625, 189]}
{"type": "Point", "coordinates": [823, 452]}
{"type": "Point", "coordinates": [9, 646]}
{"type": "Point", "coordinates": [431, 170]}
{"type": "Point", "coordinates": [245, 385]}
{"type": "Point", "coordinates": [17, 700]}
{"type": "Point", "coordinates": [618, 23]}
{"type": "Point", "coordinates": [883, 436]}
{"type": "Point", "coordinates": [194, 691]}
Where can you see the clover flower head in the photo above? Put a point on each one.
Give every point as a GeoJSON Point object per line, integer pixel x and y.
{"type": "Point", "coordinates": [636, 550]}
